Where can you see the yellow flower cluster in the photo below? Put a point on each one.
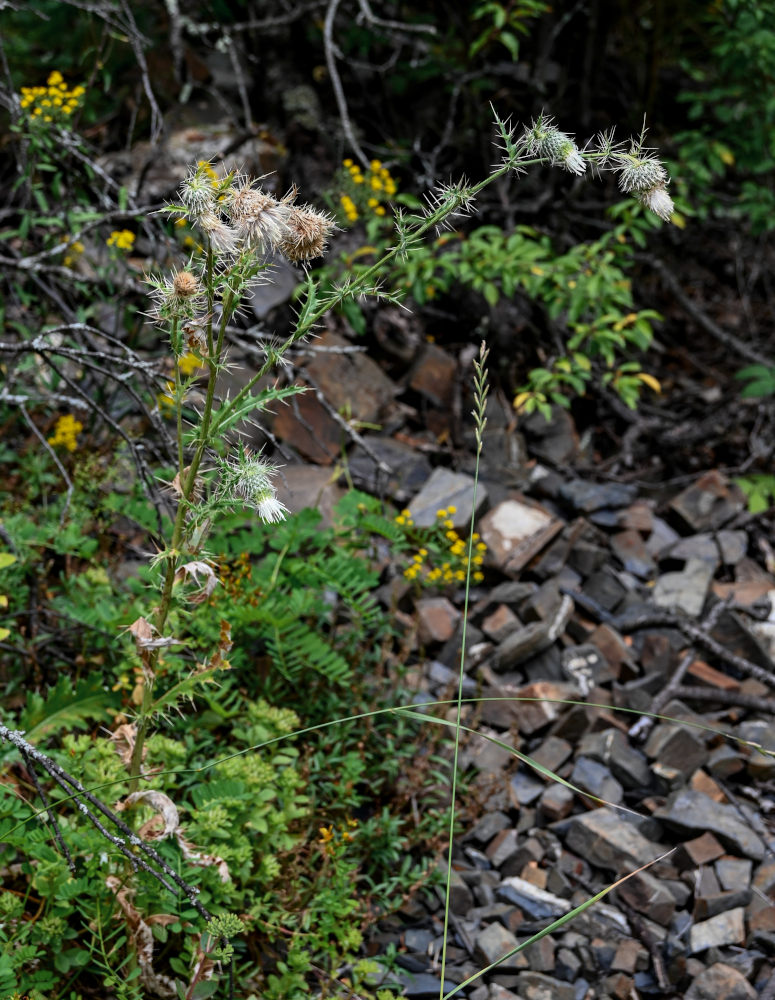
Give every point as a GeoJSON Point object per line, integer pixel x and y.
{"type": "Point", "coordinates": [330, 835]}
{"type": "Point", "coordinates": [72, 252]}
{"type": "Point", "coordinates": [53, 102]}
{"type": "Point", "coordinates": [350, 210]}
{"type": "Point", "coordinates": [121, 239]}
{"type": "Point", "coordinates": [66, 432]}
{"type": "Point", "coordinates": [188, 363]}
{"type": "Point", "coordinates": [454, 565]}
{"type": "Point", "coordinates": [367, 190]}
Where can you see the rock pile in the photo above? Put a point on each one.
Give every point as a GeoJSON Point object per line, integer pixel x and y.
{"type": "Point", "coordinates": [599, 603]}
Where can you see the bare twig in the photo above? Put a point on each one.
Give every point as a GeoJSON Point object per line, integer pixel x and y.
{"type": "Point", "coordinates": [336, 82]}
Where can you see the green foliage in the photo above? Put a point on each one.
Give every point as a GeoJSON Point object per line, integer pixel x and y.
{"type": "Point", "coordinates": [731, 104]}
{"type": "Point", "coordinates": [507, 23]}
{"type": "Point", "coordinates": [759, 491]}
{"type": "Point", "coordinates": [586, 292]}
{"type": "Point", "coordinates": [761, 381]}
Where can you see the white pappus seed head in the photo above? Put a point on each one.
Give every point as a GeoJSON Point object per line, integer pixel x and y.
{"type": "Point", "coordinates": [247, 479]}
{"type": "Point", "coordinates": [658, 201]}
{"type": "Point", "coordinates": [544, 139]}
{"type": "Point", "coordinates": [260, 220]}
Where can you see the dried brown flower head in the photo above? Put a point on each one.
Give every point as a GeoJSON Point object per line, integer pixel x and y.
{"type": "Point", "coordinates": [307, 236]}
{"type": "Point", "coordinates": [260, 220]}
{"type": "Point", "coordinates": [185, 284]}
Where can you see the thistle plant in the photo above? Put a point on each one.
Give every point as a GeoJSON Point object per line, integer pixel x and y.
{"type": "Point", "coordinates": [241, 227]}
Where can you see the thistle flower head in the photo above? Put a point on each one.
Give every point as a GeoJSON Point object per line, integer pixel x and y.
{"type": "Point", "coordinates": [197, 192]}
{"type": "Point", "coordinates": [223, 238]}
{"type": "Point", "coordinates": [178, 297]}
{"type": "Point", "coordinates": [544, 139]}
{"type": "Point", "coordinates": [307, 235]}
{"type": "Point", "coordinates": [246, 479]}
{"type": "Point", "coordinates": [639, 173]}
{"type": "Point", "coordinates": [658, 201]}
{"type": "Point", "coordinates": [260, 221]}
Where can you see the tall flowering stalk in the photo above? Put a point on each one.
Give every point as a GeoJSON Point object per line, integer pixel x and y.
{"type": "Point", "coordinates": [242, 226]}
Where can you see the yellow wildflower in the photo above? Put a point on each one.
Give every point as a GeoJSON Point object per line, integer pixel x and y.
{"type": "Point", "coordinates": [66, 432]}
{"type": "Point", "coordinates": [122, 239]}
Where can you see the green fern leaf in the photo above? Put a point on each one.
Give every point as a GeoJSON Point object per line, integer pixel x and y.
{"type": "Point", "coordinates": [66, 706]}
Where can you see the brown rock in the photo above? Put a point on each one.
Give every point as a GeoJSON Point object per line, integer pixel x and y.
{"type": "Point", "coordinates": [300, 486]}
{"type": "Point", "coordinates": [500, 623]}
{"type": "Point", "coordinates": [629, 954]}
{"type": "Point", "coordinates": [433, 375]}
{"type": "Point", "coordinates": [437, 619]}
{"type": "Point", "coordinates": [702, 782]}
{"type": "Point", "coordinates": [699, 851]}
{"type": "Point", "coordinates": [619, 985]}
{"type": "Point", "coordinates": [305, 424]}
{"type": "Point", "coordinates": [720, 982]}
{"type": "Point", "coordinates": [708, 675]}
{"type": "Point", "coordinates": [352, 383]}
{"type": "Point", "coordinates": [616, 653]}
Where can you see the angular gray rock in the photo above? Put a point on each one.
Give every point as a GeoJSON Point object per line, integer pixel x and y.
{"type": "Point", "coordinates": [692, 812]}
{"type": "Point", "coordinates": [604, 838]}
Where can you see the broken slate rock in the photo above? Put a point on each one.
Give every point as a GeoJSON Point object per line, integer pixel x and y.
{"type": "Point", "coordinates": [685, 589]}
{"type": "Point", "coordinates": [437, 619]}
{"type": "Point", "coordinates": [408, 468]}
{"type": "Point", "coordinates": [584, 665]}
{"type": "Point", "coordinates": [586, 497]}
{"type": "Point", "coordinates": [535, 903]}
{"type": "Point", "coordinates": [537, 986]}
{"type": "Point", "coordinates": [604, 838]}
{"type": "Point", "coordinates": [595, 778]}
{"type": "Point", "coordinates": [630, 548]}
{"type": "Point", "coordinates": [442, 490]}
{"type": "Point", "coordinates": [524, 643]}
{"type": "Point", "coordinates": [709, 503]}
{"type": "Point", "coordinates": [648, 895]}
{"type": "Point", "coordinates": [720, 982]}
{"type": "Point", "coordinates": [494, 942]}
{"type": "Point", "coordinates": [420, 985]}
{"type": "Point", "coordinates": [515, 531]}
{"type": "Point", "coordinates": [676, 747]}
{"type": "Point", "coordinates": [723, 929]}
{"type": "Point", "coordinates": [690, 811]}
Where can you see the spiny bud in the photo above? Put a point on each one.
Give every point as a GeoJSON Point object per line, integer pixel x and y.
{"type": "Point", "coordinates": [197, 193]}
{"type": "Point", "coordinates": [546, 140]}
{"type": "Point", "coordinates": [222, 237]}
{"type": "Point", "coordinates": [246, 479]}
{"type": "Point", "coordinates": [640, 173]}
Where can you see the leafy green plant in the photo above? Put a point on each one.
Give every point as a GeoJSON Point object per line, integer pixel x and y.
{"type": "Point", "coordinates": [199, 834]}
{"type": "Point", "coordinates": [759, 491]}
{"type": "Point", "coordinates": [508, 22]}
{"type": "Point", "coordinates": [731, 105]}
